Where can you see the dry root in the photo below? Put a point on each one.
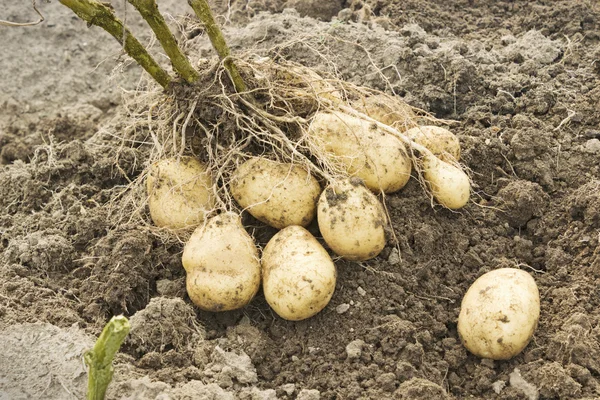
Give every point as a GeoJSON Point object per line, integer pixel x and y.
{"type": "Point", "coordinates": [222, 128]}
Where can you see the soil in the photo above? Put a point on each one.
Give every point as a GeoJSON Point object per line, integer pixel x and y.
{"type": "Point", "coordinates": [521, 80]}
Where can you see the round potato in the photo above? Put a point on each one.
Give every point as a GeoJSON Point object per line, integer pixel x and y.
{"type": "Point", "coordinates": [277, 194]}
{"type": "Point", "coordinates": [222, 264]}
{"type": "Point", "coordinates": [298, 274]}
{"type": "Point", "coordinates": [499, 314]}
{"type": "Point", "coordinates": [351, 220]}
{"type": "Point", "coordinates": [360, 149]}
{"type": "Point", "coordinates": [179, 192]}
{"type": "Point", "coordinates": [440, 141]}
{"type": "Point", "coordinates": [449, 184]}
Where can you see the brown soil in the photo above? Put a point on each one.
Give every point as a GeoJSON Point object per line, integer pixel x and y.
{"type": "Point", "coordinates": [522, 80]}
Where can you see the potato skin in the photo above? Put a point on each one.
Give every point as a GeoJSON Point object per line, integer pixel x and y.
{"type": "Point", "coordinates": [222, 264]}
{"type": "Point", "coordinates": [298, 274]}
{"type": "Point", "coordinates": [277, 194]}
{"type": "Point", "coordinates": [388, 110]}
{"type": "Point", "coordinates": [449, 184]}
{"type": "Point", "coordinates": [362, 150]}
{"type": "Point", "coordinates": [351, 220]}
{"type": "Point", "coordinates": [499, 314]}
{"type": "Point", "coordinates": [179, 192]}
{"type": "Point", "coordinates": [440, 141]}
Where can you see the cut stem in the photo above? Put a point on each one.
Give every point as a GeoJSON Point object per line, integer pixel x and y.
{"type": "Point", "coordinates": [203, 12]}
{"type": "Point", "coordinates": [149, 11]}
{"type": "Point", "coordinates": [99, 14]}
{"type": "Point", "coordinates": [99, 359]}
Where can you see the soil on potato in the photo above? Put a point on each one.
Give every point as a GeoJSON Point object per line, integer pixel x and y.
{"type": "Point", "coordinates": [520, 78]}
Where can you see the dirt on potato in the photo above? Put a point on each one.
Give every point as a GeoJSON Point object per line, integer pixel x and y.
{"type": "Point", "coordinates": [520, 82]}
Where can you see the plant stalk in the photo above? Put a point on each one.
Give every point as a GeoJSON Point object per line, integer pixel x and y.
{"type": "Point", "coordinates": [100, 14]}
{"type": "Point", "coordinates": [99, 359]}
{"type": "Point", "coordinates": [203, 12]}
{"type": "Point", "coordinates": [149, 11]}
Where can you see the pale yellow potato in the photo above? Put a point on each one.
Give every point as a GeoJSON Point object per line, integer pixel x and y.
{"type": "Point", "coordinates": [351, 220]}
{"type": "Point", "coordinates": [222, 264]}
{"type": "Point", "coordinates": [440, 141]}
{"type": "Point", "coordinates": [179, 192]}
{"type": "Point", "coordinates": [361, 149]}
{"type": "Point", "coordinates": [449, 184]}
{"type": "Point", "coordinates": [277, 194]}
{"type": "Point", "coordinates": [298, 274]}
{"type": "Point", "coordinates": [388, 110]}
{"type": "Point", "coordinates": [499, 314]}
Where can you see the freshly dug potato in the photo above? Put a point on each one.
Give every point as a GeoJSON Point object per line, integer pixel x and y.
{"type": "Point", "coordinates": [298, 274]}
{"type": "Point", "coordinates": [222, 264]}
{"type": "Point", "coordinates": [440, 141]}
{"type": "Point", "coordinates": [449, 185]}
{"type": "Point", "coordinates": [499, 314]}
{"type": "Point", "coordinates": [277, 194]}
{"type": "Point", "coordinates": [388, 110]}
{"type": "Point", "coordinates": [351, 220]}
{"type": "Point", "coordinates": [361, 149]}
{"type": "Point", "coordinates": [179, 192]}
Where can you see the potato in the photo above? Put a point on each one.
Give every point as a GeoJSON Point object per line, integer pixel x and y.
{"type": "Point", "coordinates": [440, 141]}
{"type": "Point", "coordinates": [298, 274]}
{"type": "Point", "coordinates": [222, 264]}
{"type": "Point", "coordinates": [277, 194]}
{"type": "Point", "coordinates": [449, 185]}
{"type": "Point", "coordinates": [361, 149]}
{"type": "Point", "coordinates": [351, 220]}
{"type": "Point", "coordinates": [499, 314]}
{"type": "Point", "coordinates": [388, 110]}
{"type": "Point", "coordinates": [179, 192]}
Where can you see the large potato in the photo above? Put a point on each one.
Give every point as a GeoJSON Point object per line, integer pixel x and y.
{"type": "Point", "coordinates": [440, 141]}
{"type": "Point", "coordinates": [222, 264]}
{"type": "Point", "coordinates": [388, 110]}
{"type": "Point", "coordinates": [449, 184]}
{"type": "Point", "coordinates": [361, 149]}
{"type": "Point", "coordinates": [179, 192]}
{"type": "Point", "coordinates": [351, 220]}
{"type": "Point", "coordinates": [499, 314]}
{"type": "Point", "coordinates": [277, 194]}
{"type": "Point", "coordinates": [298, 274]}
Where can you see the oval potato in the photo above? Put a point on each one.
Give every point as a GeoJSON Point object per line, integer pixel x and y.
{"type": "Point", "coordinates": [351, 220]}
{"type": "Point", "coordinates": [179, 192]}
{"type": "Point", "coordinates": [278, 194]}
{"type": "Point", "coordinates": [388, 110]}
{"type": "Point", "coordinates": [499, 314]}
{"type": "Point", "coordinates": [361, 149]}
{"type": "Point", "coordinates": [449, 184]}
{"type": "Point", "coordinates": [440, 141]}
{"type": "Point", "coordinates": [298, 274]}
{"type": "Point", "coordinates": [222, 264]}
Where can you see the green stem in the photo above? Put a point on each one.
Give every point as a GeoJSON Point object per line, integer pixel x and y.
{"type": "Point", "coordinates": [99, 359]}
{"type": "Point", "coordinates": [203, 12]}
{"type": "Point", "coordinates": [149, 11]}
{"type": "Point", "coordinates": [99, 14]}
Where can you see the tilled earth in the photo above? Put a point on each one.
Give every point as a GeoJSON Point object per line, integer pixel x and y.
{"type": "Point", "coordinates": [520, 78]}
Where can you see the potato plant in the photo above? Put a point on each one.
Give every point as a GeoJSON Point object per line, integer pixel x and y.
{"type": "Point", "coordinates": [283, 134]}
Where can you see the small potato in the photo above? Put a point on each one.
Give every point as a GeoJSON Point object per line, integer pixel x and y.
{"type": "Point", "coordinates": [222, 264]}
{"type": "Point", "coordinates": [361, 149]}
{"type": "Point", "coordinates": [388, 110]}
{"type": "Point", "coordinates": [351, 220]}
{"type": "Point", "coordinates": [298, 274]}
{"type": "Point", "coordinates": [449, 185]}
{"type": "Point", "coordinates": [277, 194]}
{"type": "Point", "coordinates": [179, 192]}
{"type": "Point", "coordinates": [499, 314]}
{"type": "Point", "coordinates": [440, 141]}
